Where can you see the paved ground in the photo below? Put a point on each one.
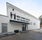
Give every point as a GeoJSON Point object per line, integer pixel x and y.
{"type": "Point", "coordinates": [24, 36]}
{"type": "Point", "coordinates": [38, 30]}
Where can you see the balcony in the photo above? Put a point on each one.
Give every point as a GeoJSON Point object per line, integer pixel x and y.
{"type": "Point", "coordinates": [20, 20]}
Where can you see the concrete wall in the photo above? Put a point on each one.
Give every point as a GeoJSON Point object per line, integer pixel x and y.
{"type": "Point", "coordinates": [3, 19]}
{"type": "Point", "coordinates": [34, 22]}
{"type": "Point", "coordinates": [14, 26]}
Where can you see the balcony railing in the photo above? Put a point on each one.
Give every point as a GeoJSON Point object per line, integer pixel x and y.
{"type": "Point", "coordinates": [21, 19]}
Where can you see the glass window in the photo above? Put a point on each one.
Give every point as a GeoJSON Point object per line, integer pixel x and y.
{"type": "Point", "coordinates": [4, 27]}
{"type": "Point", "coordinates": [11, 14]}
{"type": "Point", "coordinates": [14, 16]}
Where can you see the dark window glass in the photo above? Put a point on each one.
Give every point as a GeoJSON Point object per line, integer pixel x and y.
{"type": "Point", "coordinates": [4, 27]}
{"type": "Point", "coordinates": [11, 14]}
{"type": "Point", "coordinates": [14, 16]}
{"type": "Point", "coordinates": [12, 9]}
{"type": "Point", "coordinates": [18, 16]}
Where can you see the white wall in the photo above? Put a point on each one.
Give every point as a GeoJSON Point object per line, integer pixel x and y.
{"type": "Point", "coordinates": [14, 26]}
{"type": "Point", "coordinates": [34, 22]}
{"type": "Point", "coordinates": [11, 26]}
{"type": "Point", "coordinates": [3, 19]}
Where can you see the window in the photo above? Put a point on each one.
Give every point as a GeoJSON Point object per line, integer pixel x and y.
{"type": "Point", "coordinates": [18, 18]}
{"type": "Point", "coordinates": [14, 16]}
{"type": "Point", "coordinates": [11, 14]}
{"type": "Point", "coordinates": [4, 27]}
{"type": "Point", "coordinates": [12, 9]}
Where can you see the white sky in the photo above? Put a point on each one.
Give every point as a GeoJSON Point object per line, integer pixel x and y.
{"type": "Point", "coordinates": [34, 7]}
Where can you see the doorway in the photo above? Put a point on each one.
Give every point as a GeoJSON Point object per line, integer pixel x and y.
{"type": "Point", "coordinates": [24, 27]}
{"type": "Point", "coordinates": [4, 27]}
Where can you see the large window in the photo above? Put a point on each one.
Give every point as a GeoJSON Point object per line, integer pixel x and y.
{"type": "Point", "coordinates": [4, 27]}
{"type": "Point", "coordinates": [14, 16]}
{"type": "Point", "coordinates": [11, 14]}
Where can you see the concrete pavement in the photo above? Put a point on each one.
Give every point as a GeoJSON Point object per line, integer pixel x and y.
{"type": "Point", "coordinates": [24, 36]}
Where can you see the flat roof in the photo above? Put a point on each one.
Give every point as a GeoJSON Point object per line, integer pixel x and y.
{"type": "Point", "coordinates": [3, 15]}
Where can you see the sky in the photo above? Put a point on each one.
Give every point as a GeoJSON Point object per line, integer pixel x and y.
{"type": "Point", "coordinates": [33, 7]}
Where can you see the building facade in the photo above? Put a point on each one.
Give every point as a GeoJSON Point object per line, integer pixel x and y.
{"type": "Point", "coordinates": [18, 19]}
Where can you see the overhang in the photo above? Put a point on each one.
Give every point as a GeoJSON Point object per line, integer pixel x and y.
{"type": "Point", "coordinates": [18, 22]}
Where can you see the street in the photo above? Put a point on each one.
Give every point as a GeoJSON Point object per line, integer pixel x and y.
{"type": "Point", "coordinates": [24, 36]}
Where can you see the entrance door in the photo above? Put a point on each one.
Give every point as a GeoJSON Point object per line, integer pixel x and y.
{"type": "Point", "coordinates": [24, 27]}
{"type": "Point", "coordinates": [4, 27]}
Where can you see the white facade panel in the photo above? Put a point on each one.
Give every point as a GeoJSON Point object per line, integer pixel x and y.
{"type": "Point", "coordinates": [3, 19]}
{"type": "Point", "coordinates": [14, 26]}
{"type": "Point", "coordinates": [34, 24]}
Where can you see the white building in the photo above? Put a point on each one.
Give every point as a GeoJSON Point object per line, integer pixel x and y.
{"type": "Point", "coordinates": [17, 19]}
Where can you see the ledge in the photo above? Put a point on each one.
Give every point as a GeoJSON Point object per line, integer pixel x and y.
{"type": "Point", "coordinates": [18, 22]}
